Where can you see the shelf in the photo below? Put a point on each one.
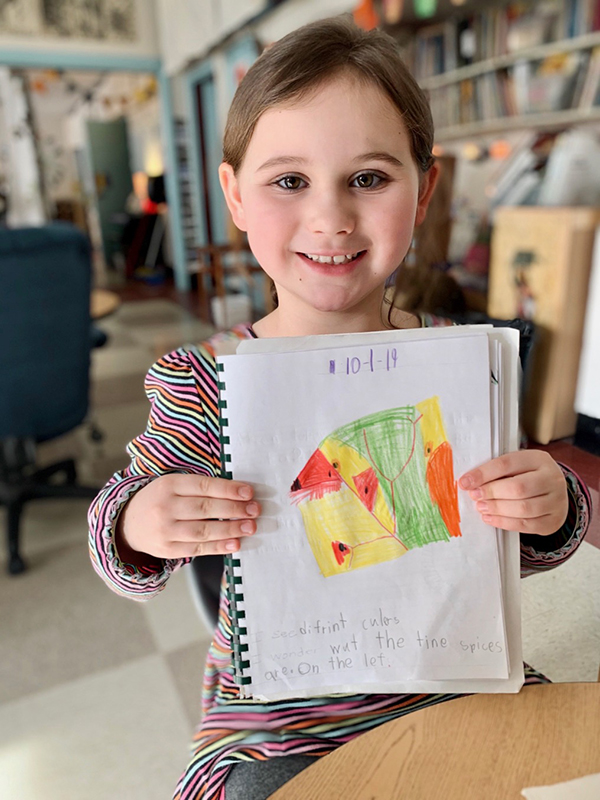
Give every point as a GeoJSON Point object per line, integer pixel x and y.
{"type": "Point", "coordinates": [547, 121]}
{"type": "Point", "coordinates": [492, 64]}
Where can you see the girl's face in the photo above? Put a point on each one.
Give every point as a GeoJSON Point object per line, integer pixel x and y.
{"type": "Point", "coordinates": [329, 195]}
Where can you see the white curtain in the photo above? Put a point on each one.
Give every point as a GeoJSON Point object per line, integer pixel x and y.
{"type": "Point", "coordinates": [25, 205]}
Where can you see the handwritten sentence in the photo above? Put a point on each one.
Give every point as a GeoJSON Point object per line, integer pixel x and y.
{"type": "Point", "coordinates": [347, 653]}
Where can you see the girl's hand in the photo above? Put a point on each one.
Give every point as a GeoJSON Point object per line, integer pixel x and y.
{"type": "Point", "coordinates": [523, 491]}
{"type": "Point", "coordinates": [181, 516]}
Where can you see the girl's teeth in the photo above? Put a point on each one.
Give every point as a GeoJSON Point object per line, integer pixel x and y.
{"type": "Point", "coordinates": [332, 259]}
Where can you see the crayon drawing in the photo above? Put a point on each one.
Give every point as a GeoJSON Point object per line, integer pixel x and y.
{"type": "Point", "coordinates": [378, 487]}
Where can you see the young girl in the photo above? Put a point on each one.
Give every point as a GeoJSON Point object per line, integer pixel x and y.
{"type": "Point", "coordinates": [328, 168]}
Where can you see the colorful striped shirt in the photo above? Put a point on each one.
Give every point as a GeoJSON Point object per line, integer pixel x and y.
{"type": "Point", "coordinates": [182, 436]}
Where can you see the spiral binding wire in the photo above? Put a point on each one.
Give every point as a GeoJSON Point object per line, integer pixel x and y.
{"type": "Point", "coordinates": [237, 615]}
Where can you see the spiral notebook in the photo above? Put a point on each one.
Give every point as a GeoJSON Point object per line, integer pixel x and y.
{"type": "Point", "coordinates": [370, 570]}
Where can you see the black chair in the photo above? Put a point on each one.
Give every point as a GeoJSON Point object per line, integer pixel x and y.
{"type": "Point", "coordinates": [45, 343]}
{"type": "Point", "coordinates": [526, 328]}
{"type": "Point", "coordinates": [204, 575]}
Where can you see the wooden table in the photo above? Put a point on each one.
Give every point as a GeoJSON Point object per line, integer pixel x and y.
{"type": "Point", "coordinates": [211, 262]}
{"type": "Point", "coordinates": [103, 303]}
{"type": "Point", "coordinates": [483, 747]}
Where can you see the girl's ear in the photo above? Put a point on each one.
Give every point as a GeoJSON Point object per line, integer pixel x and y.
{"type": "Point", "coordinates": [231, 190]}
{"type": "Point", "coordinates": [428, 184]}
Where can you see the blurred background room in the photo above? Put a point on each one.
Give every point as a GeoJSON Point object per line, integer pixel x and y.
{"type": "Point", "coordinates": [116, 247]}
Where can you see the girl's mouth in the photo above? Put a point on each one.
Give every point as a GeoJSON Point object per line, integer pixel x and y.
{"type": "Point", "coordinates": [333, 265]}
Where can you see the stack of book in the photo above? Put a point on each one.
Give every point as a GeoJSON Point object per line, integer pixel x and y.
{"type": "Point", "coordinates": [511, 76]}
{"type": "Point", "coordinates": [370, 571]}
{"type": "Point", "coordinates": [556, 83]}
{"type": "Point", "coordinates": [502, 31]}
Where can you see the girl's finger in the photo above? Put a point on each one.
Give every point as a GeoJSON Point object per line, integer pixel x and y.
{"type": "Point", "coordinates": [528, 484]}
{"type": "Point", "coordinates": [212, 530]}
{"type": "Point", "coordinates": [205, 486]}
{"type": "Point", "coordinates": [202, 508]}
{"type": "Point", "coordinates": [501, 467]}
{"type": "Point", "coordinates": [180, 550]}
{"type": "Point", "coordinates": [542, 526]}
{"type": "Point", "coordinates": [529, 508]}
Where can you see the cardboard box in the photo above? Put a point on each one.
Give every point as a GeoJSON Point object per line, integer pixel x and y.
{"type": "Point", "coordinates": [539, 270]}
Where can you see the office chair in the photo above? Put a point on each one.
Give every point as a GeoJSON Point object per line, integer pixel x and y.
{"type": "Point", "coordinates": [204, 575]}
{"type": "Point", "coordinates": [45, 342]}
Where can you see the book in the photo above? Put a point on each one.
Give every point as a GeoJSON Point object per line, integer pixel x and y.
{"type": "Point", "coordinates": [572, 175]}
{"type": "Point", "coordinates": [553, 80]}
{"type": "Point", "coordinates": [574, 100]}
{"type": "Point", "coordinates": [369, 571]}
{"type": "Point", "coordinates": [431, 47]}
{"type": "Point", "coordinates": [521, 75]}
{"type": "Point", "coordinates": [524, 192]}
{"type": "Point", "coordinates": [592, 81]}
{"type": "Point", "coordinates": [526, 30]}
{"type": "Point", "coordinates": [521, 161]}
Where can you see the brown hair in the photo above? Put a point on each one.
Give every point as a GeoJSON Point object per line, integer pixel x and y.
{"type": "Point", "coordinates": [303, 60]}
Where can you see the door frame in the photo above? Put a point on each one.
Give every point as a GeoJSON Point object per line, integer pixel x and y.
{"type": "Point", "coordinates": [55, 59]}
{"type": "Point", "coordinates": [193, 78]}
{"type": "Point", "coordinates": [244, 50]}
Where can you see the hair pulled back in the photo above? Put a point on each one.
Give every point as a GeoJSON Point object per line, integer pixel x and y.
{"type": "Point", "coordinates": [296, 65]}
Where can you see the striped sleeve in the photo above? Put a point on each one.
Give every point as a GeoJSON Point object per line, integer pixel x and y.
{"type": "Point", "coordinates": [541, 553]}
{"type": "Point", "coordinates": [179, 437]}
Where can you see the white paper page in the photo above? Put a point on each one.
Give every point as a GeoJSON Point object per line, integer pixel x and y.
{"type": "Point", "coordinates": [342, 645]}
{"type": "Point", "coordinates": [585, 788]}
{"type": "Point", "coordinates": [291, 344]}
{"type": "Point", "coordinates": [496, 397]}
{"type": "Point", "coordinates": [496, 380]}
{"type": "Point", "coordinates": [509, 543]}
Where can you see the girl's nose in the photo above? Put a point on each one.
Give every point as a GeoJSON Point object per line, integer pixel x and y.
{"type": "Point", "coordinates": [331, 214]}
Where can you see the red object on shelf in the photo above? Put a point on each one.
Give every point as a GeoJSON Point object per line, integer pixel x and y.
{"type": "Point", "coordinates": [365, 15]}
{"type": "Point", "coordinates": [148, 207]}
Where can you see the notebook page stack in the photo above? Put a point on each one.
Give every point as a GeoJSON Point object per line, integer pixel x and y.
{"type": "Point", "coordinates": [371, 571]}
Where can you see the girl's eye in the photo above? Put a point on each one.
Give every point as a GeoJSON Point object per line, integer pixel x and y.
{"type": "Point", "coordinates": [368, 180]}
{"type": "Point", "coordinates": [290, 183]}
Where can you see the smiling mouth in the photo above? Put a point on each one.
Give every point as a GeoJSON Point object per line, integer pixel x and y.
{"type": "Point", "coordinates": [337, 261]}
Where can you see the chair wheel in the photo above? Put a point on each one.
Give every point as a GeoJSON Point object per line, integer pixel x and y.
{"type": "Point", "coordinates": [71, 474]}
{"type": "Point", "coordinates": [96, 435]}
{"type": "Point", "coordinates": [16, 565]}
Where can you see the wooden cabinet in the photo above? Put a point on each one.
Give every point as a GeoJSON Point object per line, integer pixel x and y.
{"type": "Point", "coordinates": [540, 267]}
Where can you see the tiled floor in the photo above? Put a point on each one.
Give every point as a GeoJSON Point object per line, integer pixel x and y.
{"type": "Point", "coordinates": [98, 694]}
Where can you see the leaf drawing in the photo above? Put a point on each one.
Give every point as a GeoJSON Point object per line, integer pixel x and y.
{"type": "Point", "coordinates": [378, 487]}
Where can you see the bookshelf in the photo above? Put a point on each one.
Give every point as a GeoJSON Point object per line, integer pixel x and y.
{"type": "Point", "coordinates": [506, 68]}
{"type": "Point", "coordinates": [182, 145]}
{"type": "Point", "coordinates": [500, 70]}
{"type": "Point", "coordinates": [552, 120]}
{"type": "Point", "coordinates": [584, 42]}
